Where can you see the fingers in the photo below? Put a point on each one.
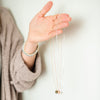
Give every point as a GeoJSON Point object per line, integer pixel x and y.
{"type": "Point", "coordinates": [60, 21]}
{"type": "Point", "coordinates": [60, 26]}
{"type": "Point", "coordinates": [61, 18]}
{"type": "Point", "coordinates": [45, 9]}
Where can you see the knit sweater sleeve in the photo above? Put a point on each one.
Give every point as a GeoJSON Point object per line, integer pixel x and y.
{"type": "Point", "coordinates": [21, 77]}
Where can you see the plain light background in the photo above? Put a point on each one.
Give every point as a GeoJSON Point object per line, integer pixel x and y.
{"type": "Point", "coordinates": [80, 45]}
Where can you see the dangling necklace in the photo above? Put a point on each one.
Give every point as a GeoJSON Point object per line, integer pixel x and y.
{"type": "Point", "coordinates": [57, 65]}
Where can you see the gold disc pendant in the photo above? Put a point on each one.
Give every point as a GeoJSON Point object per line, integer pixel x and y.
{"type": "Point", "coordinates": [57, 91]}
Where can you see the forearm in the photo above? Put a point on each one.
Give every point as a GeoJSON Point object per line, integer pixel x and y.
{"type": "Point", "coordinates": [29, 48]}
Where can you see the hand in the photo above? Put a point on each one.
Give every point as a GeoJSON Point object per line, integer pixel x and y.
{"type": "Point", "coordinates": [43, 27]}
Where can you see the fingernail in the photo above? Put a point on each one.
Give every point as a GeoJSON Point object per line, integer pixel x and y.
{"type": "Point", "coordinates": [70, 18]}
{"type": "Point", "coordinates": [67, 15]}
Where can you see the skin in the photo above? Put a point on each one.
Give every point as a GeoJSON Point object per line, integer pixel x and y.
{"type": "Point", "coordinates": [42, 28]}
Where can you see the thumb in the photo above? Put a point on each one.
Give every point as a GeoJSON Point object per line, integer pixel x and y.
{"type": "Point", "coordinates": [45, 9]}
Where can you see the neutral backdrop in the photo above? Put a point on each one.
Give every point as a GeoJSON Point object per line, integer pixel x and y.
{"type": "Point", "coordinates": [79, 45]}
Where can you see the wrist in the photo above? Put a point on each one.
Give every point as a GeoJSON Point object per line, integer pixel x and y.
{"type": "Point", "coordinates": [31, 43]}
{"type": "Point", "coordinates": [31, 40]}
{"type": "Point", "coordinates": [30, 47]}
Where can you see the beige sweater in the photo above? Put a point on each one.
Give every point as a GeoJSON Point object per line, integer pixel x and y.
{"type": "Point", "coordinates": [16, 77]}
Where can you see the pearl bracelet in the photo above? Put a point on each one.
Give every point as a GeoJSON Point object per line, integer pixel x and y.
{"type": "Point", "coordinates": [32, 54]}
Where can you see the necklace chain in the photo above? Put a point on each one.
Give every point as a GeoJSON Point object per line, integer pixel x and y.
{"type": "Point", "coordinates": [57, 65]}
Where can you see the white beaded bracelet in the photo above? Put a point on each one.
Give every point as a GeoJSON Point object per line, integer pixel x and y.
{"type": "Point", "coordinates": [29, 54]}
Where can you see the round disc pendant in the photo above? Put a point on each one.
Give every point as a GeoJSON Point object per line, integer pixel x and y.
{"type": "Point", "coordinates": [57, 92]}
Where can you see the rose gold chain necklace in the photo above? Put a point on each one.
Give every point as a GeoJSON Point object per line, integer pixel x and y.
{"type": "Point", "coordinates": [57, 65]}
